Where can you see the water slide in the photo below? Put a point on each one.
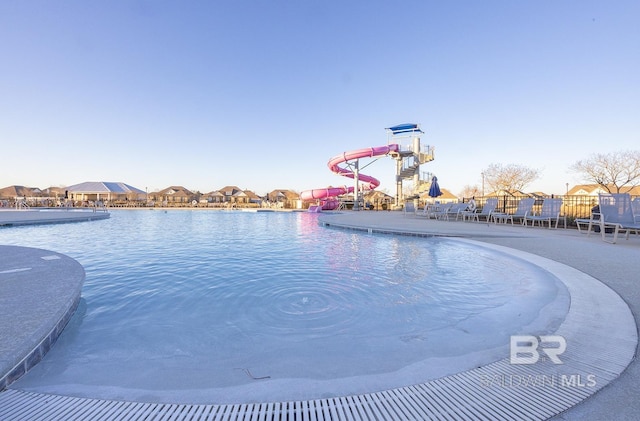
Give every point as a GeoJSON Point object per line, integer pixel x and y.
{"type": "Point", "coordinates": [327, 196]}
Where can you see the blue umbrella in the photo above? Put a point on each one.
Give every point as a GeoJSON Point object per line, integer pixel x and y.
{"type": "Point", "coordinates": [434, 190]}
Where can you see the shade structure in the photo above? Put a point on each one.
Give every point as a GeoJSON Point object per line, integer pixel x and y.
{"type": "Point", "coordinates": [434, 190]}
{"type": "Point", "coordinates": [405, 128]}
{"type": "Point", "coordinates": [102, 190]}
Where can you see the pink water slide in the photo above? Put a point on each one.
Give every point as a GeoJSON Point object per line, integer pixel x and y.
{"type": "Point", "coordinates": [327, 196]}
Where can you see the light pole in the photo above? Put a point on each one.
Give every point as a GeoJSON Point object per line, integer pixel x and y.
{"type": "Point", "coordinates": [567, 188]}
{"type": "Point", "coordinates": [482, 174]}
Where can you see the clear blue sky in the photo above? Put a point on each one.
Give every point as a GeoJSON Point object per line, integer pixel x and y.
{"type": "Point", "coordinates": [260, 94]}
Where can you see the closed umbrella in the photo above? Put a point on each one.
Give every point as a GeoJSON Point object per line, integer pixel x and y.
{"type": "Point", "coordinates": [434, 190]}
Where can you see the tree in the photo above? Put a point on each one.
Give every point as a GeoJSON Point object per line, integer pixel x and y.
{"type": "Point", "coordinates": [470, 191]}
{"type": "Point", "coordinates": [612, 171]}
{"type": "Point", "coordinates": [510, 177]}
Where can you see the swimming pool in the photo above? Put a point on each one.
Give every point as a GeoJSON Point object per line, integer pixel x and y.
{"type": "Point", "coordinates": [214, 306]}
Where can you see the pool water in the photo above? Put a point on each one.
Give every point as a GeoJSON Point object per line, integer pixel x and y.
{"type": "Point", "coordinates": [229, 306]}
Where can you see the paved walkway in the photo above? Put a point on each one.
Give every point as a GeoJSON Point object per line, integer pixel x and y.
{"type": "Point", "coordinates": [39, 291]}
{"type": "Point", "coordinates": [616, 266]}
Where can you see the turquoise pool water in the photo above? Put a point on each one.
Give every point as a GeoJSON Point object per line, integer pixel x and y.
{"type": "Point", "coordinates": [220, 307]}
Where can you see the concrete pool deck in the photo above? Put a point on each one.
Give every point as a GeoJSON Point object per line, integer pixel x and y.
{"type": "Point", "coordinates": [613, 265]}
{"type": "Point", "coordinates": [10, 217]}
{"type": "Point", "coordinates": [39, 292]}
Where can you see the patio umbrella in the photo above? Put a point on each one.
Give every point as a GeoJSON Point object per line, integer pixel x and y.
{"type": "Point", "coordinates": [434, 190]}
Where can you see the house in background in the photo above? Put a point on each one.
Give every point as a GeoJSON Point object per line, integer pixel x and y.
{"type": "Point", "coordinates": [254, 199]}
{"type": "Point", "coordinates": [445, 197]}
{"type": "Point", "coordinates": [286, 199]}
{"type": "Point", "coordinates": [179, 196]}
{"type": "Point", "coordinates": [19, 196]}
{"type": "Point", "coordinates": [173, 196]}
{"type": "Point", "coordinates": [31, 196]}
{"type": "Point", "coordinates": [587, 194]}
{"type": "Point", "coordinates": [234, 195]}
{"type": "Point", "coordinates": [53, 193]}
{"type": "Point", "coordinates": [212, 199]}
{"type": "Point", "coordinates": [378, 200]}
{"type": "Point", "coordinates": [109, 192]}
{"type": "Point", "coordinates": [19, 193]}
{"type": "Point", "coordinates": [595, 189]}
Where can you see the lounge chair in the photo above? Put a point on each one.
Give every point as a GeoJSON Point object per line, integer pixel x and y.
{"type": "Point", "coordinates": [550, 211]}
{"type": "Point", "coordinates": [591, 223]}
{"type": "Point", "coordinates": [488, 208]}
{"type": "Point", "coordinates": [635, 208]}
{"type": "Point", "coordinates": [456, 211]}
{"type": "Point", "coordinates": [426, 211]}
{"type": "Point", "coordinates": [430, 208]}
{"type": "Point", "coordinates": [440, 211]}
{"type": "Point", "coordinates": [616, 212]}
{"type": "Point", "coordinates": [524, 208]}
{"type": "Point", "coordinates": [409, 208]}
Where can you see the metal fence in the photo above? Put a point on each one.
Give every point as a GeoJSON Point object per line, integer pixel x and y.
{"type": "Point", "coordinates": [573, 206]}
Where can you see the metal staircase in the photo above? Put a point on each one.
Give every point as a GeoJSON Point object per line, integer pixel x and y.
{"type": "Point", "coordinates": [410, 155]}
{"type": "Point", "coordinates": [411, 162]}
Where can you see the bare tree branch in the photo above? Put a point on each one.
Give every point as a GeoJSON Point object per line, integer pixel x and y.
{"type": "Point", "coordinates": [470, 191]}
{"type": "Point", "coordinates": [612, 171]}
{"type": "Point", "coordinates": [510, 177]}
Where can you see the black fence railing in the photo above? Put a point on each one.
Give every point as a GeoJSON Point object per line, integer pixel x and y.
{"type": "Point", "coordinates": [573, 206]}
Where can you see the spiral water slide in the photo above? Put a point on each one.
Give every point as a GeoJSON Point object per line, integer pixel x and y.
{"type": "Point", "coordinates": [327, 196]}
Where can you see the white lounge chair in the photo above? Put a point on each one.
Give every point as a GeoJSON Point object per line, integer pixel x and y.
{"type": "Point", "coordinates": [635, 208]}
{"type": "Point", "coordinates": [409, 208]}
{"type": "Point", "coordinates": [430, 209]}
{"type": "Point", "coordinates": [456, 211]}
{"type": "Point", "coordinates": [440, 211]}
{"type": "Point", "coordinates": [426, 211]}
{"type": "Point", "coordinates": [616, 212]}
{"type": "Point", "coordinates": [488, 208]}
{"type": "Point", "coordinates": [550, 211]}
{"type": "Point", "coordinates": [591, 223]}
{"type": "Point", "coordinates": [524, 208]}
